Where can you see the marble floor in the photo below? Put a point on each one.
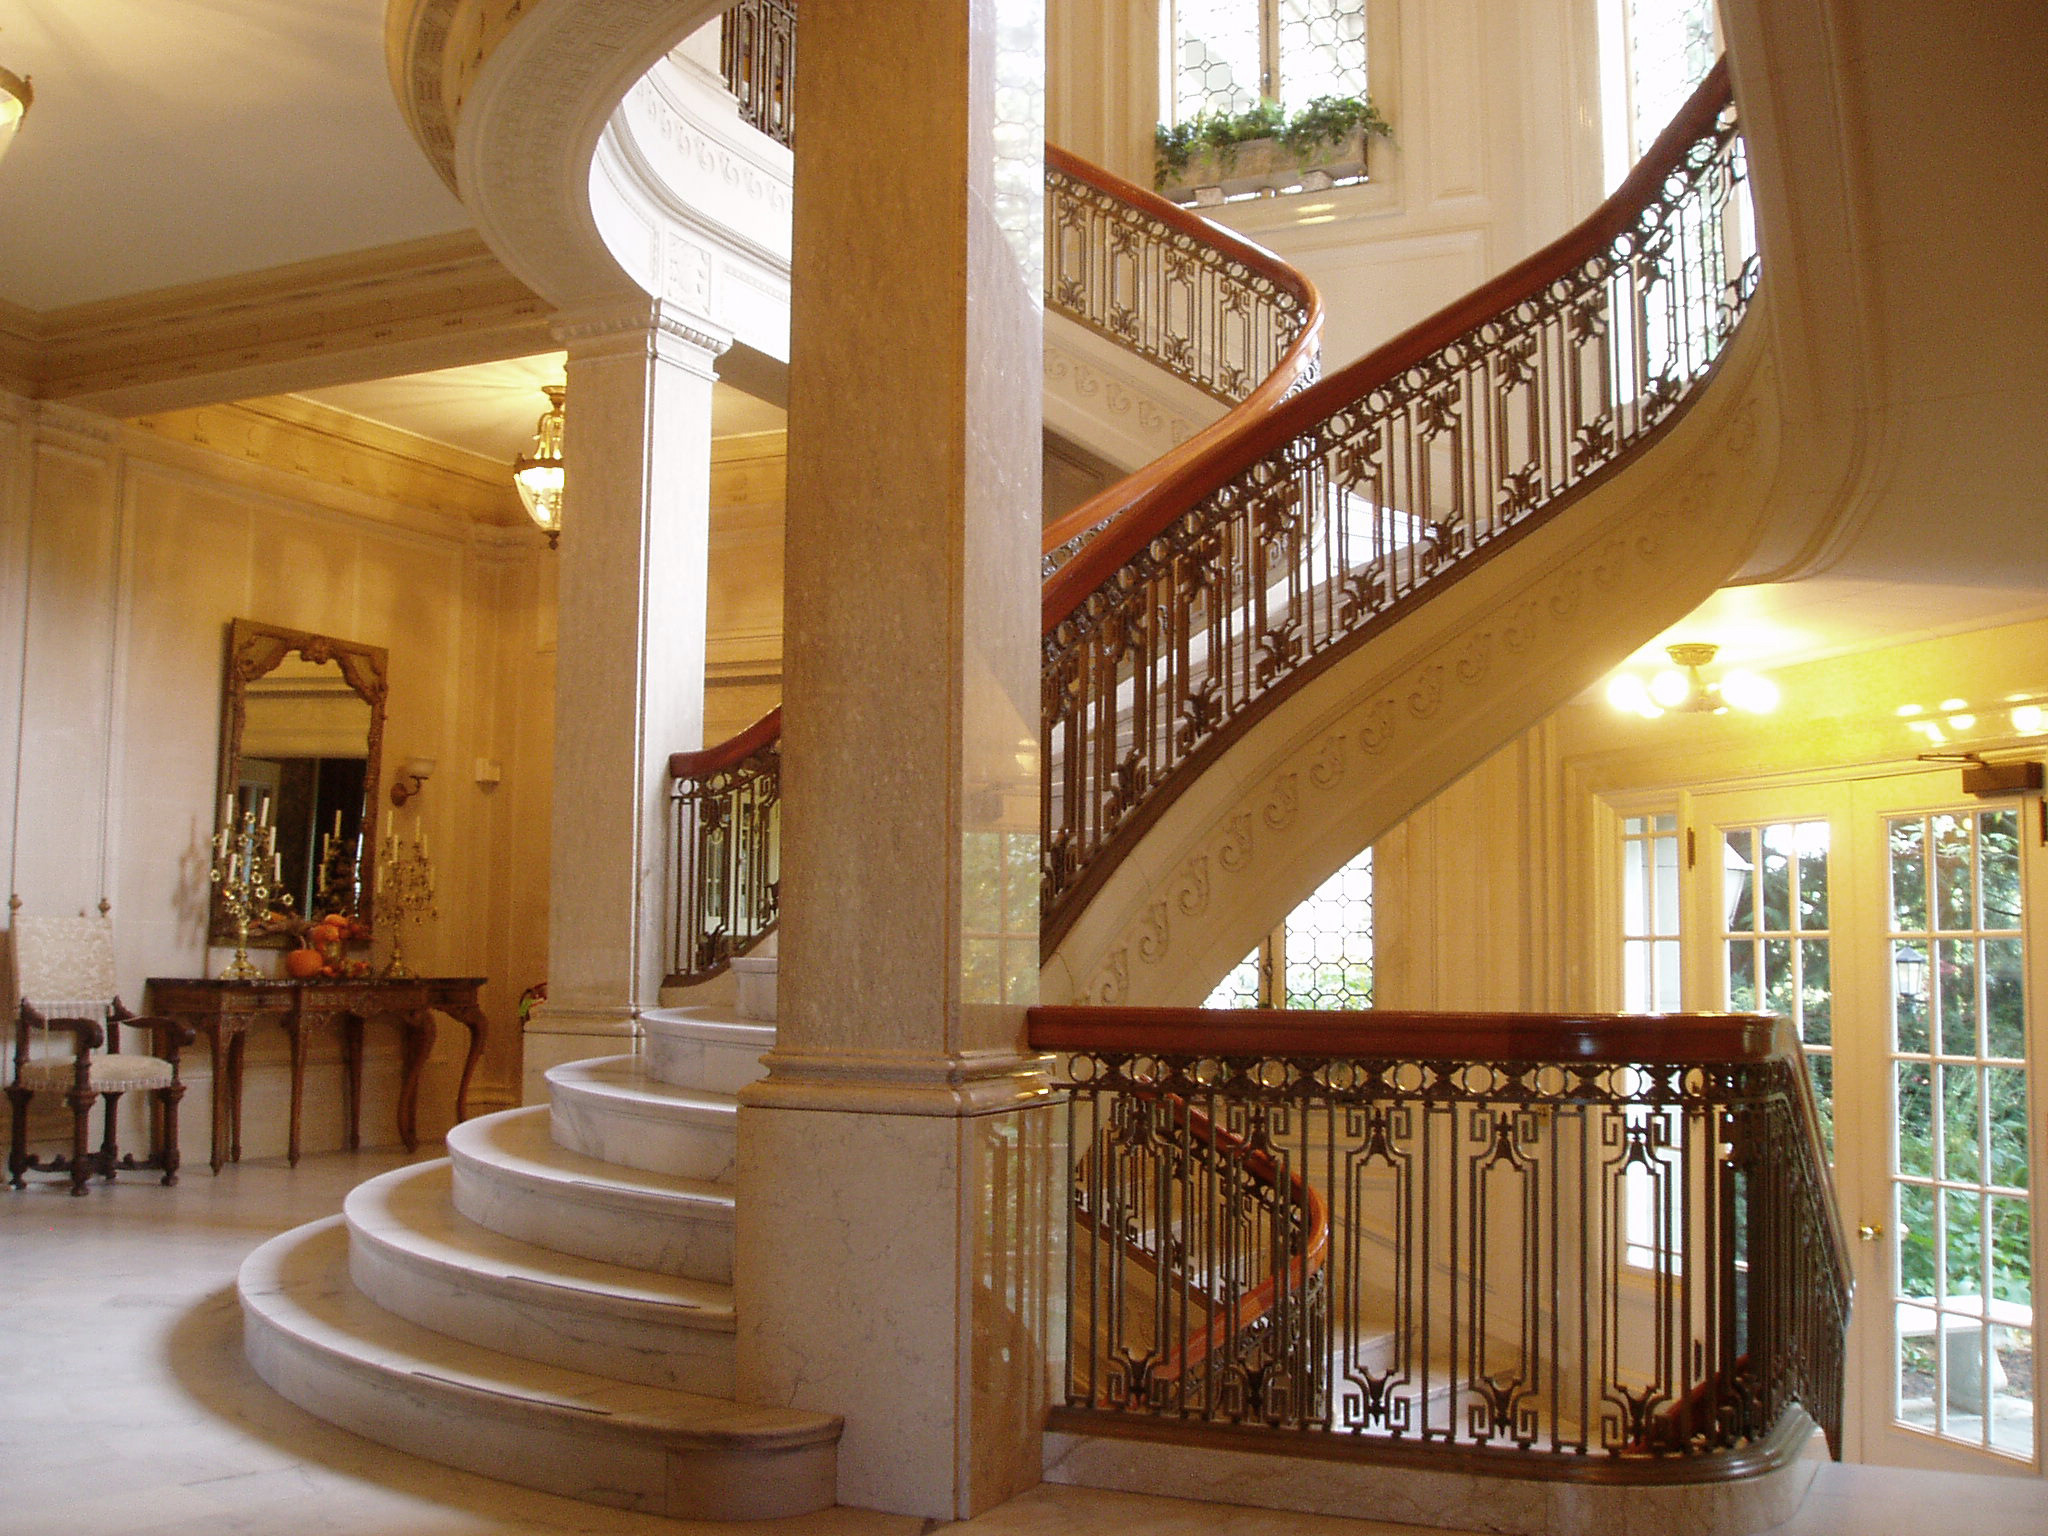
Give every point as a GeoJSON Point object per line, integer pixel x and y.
{"type": "Point", "coordinates": [126, 1408]}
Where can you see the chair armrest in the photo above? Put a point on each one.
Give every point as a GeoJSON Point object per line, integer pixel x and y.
{"type": "Point", "coordinates": [170, 1033]}
{"type": "Point", "coordinates": [90, 1035]}
{"type": "Point", "coordinates": [175, 1031]}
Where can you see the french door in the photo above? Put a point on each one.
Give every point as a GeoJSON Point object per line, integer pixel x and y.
{"type": "Point", "coordinates": [1890, 919]}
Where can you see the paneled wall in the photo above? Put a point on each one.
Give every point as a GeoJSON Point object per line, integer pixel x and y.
{"type": "Point", "coordinates": [125, 549]}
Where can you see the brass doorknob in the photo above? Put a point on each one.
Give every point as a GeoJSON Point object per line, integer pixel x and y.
{"type": "Point", "coordinates": [1870, 1232]}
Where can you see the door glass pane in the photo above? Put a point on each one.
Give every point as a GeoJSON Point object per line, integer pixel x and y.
{"type": "Point", "coordinates": [1963, 1313]}
{"type": "Point", "coordinates": [1775, 897]}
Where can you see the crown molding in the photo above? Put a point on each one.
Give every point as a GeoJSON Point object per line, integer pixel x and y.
{"type": "Point", "coordinates": [434, 303]}
{"type": "Point", "coordinates": [333, 448]}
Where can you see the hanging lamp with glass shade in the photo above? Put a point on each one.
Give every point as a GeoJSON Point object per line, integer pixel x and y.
{"type": "Point", "coordinates": [538, 474]}
{"type": "Point", "coordinates": [17, 95]}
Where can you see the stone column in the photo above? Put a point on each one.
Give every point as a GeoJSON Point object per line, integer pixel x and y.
{"type": "Point", "coordinates": [629, 663]}
{"type": "Point", "coordinates": [896, 1165]}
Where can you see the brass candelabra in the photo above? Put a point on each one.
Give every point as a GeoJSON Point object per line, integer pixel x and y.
{"type": "Point", "coordinates": [249, 876]}
{"type": "Point", "coordinates": [405, 893]}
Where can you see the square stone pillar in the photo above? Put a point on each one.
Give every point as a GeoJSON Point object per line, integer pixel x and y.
{"type": "Point", "coordinates": [898, 1177]}
{"type": "Point", "coordinates": [629, 655]}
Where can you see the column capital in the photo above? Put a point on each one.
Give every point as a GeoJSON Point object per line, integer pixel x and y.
{"type": "Point", "coordinates": [658, 325]}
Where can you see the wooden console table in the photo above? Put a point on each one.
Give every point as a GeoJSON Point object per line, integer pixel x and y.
{"type": "Point", "coordinates": [225, 1011]}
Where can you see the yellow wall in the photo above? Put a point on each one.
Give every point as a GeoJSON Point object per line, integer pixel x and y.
{"type": "Point", "coordinates": [126, 551]}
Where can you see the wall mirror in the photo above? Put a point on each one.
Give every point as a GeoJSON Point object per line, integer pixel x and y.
{"type": "Point", "coordinates": [301, 739]}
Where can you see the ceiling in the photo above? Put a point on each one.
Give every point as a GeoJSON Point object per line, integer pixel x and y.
{"type": "Point", "coordinates": [174, 141]}
{"type": "Point", "coordinates": [490, 409]}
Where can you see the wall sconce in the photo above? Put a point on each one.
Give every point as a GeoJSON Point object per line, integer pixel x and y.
{"type": "Point", "coordinates": [412, 778]}
{"type": "Point", "coordinates": [17, 95]}
{"type": "Point", "coordinates": [538, 475]}
{"type": "Point", "coordinates": [1687, 693]}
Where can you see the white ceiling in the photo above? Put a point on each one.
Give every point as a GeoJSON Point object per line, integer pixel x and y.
{"type": "Point", "coordinates": [491, 408]}
{"type": "Point", "coordinates": [173, 141]}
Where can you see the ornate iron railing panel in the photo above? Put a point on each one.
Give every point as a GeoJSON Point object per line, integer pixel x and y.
{"type": "Point", "coordinates": [1374, 489]}
{"type": "Point", "coordinates": [757, 52]}
{"type": "Point", "coordinates": [1167, 293]}
{"type": "Point", "coordinates": [1578, 1264]}
{"type": "Point", "coordinates": [725, 850]}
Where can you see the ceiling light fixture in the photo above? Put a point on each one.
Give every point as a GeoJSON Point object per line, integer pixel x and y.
{"type": "Point", "coordinates": [1685, 692]}
{"type": "Point", "coordinates": [17, 95]}
{"type": "Point", "coordinates": [538, 475]}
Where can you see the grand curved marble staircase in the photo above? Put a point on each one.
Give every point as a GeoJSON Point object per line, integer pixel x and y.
{"type": "Point", "coordinates": [552, 1303]}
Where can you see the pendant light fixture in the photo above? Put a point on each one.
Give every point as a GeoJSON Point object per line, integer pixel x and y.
{"type": "Point", "coordinates": [1680, 689]}
{"type": "Point", "coordinates": [17, 95]}
{"type": "Point", "coordinates": [538, 475]}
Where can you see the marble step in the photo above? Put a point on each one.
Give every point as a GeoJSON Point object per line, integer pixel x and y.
{"type": "Point", "coordinates": [709, 1049]}
{"type": "Point", "coordinates": [325, 1346]}
{"type": "Point", "coordinates": [611, 1109]}
{"type": "Point", "coordinates": [415, 1255]}
{"type": "Point", "coordinates": [512, 1178]}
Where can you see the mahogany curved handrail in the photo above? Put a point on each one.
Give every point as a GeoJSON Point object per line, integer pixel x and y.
{"type": "Point", "coordinates": [1169, 494]}
{"type": "Point", "coordinates": [1259, 1300]}
{"type": "Point", "coordinates": [727, 754]}
{"type": "Point", "coordinates": [1670, 1039]}
{"type": "Point", "coordinates": [1297, 364]}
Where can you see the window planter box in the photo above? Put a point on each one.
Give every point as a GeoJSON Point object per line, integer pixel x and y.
{"type": "Point", "coordinates": [1269, 166]}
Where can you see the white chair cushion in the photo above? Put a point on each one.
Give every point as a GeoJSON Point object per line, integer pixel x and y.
{"type": "Point", "coordinates": [110, 1074]}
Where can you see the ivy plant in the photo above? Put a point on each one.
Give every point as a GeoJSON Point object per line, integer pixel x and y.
{"type": "Point", "coordinates": [1323, 123]}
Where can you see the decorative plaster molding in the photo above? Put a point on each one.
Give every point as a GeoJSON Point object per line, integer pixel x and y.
{"type": "Point", "coordinates": [1504, 659]}
{"type": "Point", "coordinates": [1148, 425]}
{"type": "Point", "coordinates": [328, 447]}
{"type": "Point", "coordinates": [654, 319]}
{"type": "Point", "coordinates": [404, 308]}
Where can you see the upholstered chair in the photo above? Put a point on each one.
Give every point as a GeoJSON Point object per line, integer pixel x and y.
{"type": "Point", "coordinates": [64, 970]}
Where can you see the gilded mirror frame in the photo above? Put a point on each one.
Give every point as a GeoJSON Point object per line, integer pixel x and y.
{"type": "Point", "coordinates": [254, 650]}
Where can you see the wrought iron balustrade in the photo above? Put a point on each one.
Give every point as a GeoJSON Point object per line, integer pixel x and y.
{"type": "Point", "coordinates": [1595, 1247]}
{"type": "Point", "coordinates": [1174, 289]}
{"type": "Point", "coordinates": [1227, 586]}
{"type": "Point", "coordinates": [725, 849]}
{"type": "Point", "coordinates": [757, 54]}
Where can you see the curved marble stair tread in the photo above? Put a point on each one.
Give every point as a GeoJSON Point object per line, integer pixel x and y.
{"type": "Point", "coordinates": [415, 1255]}
{"type": "Point", "coordinates": [512, 1178]}
{"type": "Point", "coordinates": [610, 1108]}
{"type": "Point", "coordinates": [323, 1345]}
{"type": "Point", "coordinates": [704, 1047]}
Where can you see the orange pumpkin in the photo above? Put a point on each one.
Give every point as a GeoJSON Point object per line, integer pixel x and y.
{"type": "Point", "coordinates": [300, 964]}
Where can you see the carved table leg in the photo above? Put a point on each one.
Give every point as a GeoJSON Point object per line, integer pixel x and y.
{"type": "Point", "coordinates": [352, 1057]}
{"type": "Point", "coordinates": [217, 1052]}
{"type": "Point", "coordinates": [295, 1031]}
{"type": "Point", "coordinates": [417, 1035]}
{"type": "Point", "coordinates": [470, 1017]}
{"type": "Point", "coordinates": [237, 1049]}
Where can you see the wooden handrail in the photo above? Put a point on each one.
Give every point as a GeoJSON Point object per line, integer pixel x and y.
{"type": "Point", "coordinates": [1374, 1034]}
{"type": "Point", "coordinates": [727, 754]}
{"type": "Point", "coordinates": [1296, 364]}
{"type": "Point", "coordinates": [1166, 495]}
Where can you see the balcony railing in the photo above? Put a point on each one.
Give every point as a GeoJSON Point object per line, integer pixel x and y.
{"type": "Point", "coordinates": [1558, 1246]}
{"type": "Point", "coordinates": [1168, 286]}
{"type": "Point", "coordinates": [725, 849]}
{"type": "Point", "coordinates": [757, 50]}
{"type": "Point", "coordinates": [1231, 583]}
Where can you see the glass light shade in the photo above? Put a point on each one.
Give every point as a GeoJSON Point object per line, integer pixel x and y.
{"type": "Point", "coordinates": [16, 97]}
{"type": "Point", "coordinates": [1750, 693]}
{"type": "Point", "coordinates": [2027, 719]}
{"type": "Point", "coordinates": [1626, 693]}
{"type": "Point", "coordinates": [1670, 688]}
{"type": "Point", "coordinates": [539, 476]}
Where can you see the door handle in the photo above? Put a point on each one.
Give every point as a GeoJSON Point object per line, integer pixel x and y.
{"type": "Point", "coordinates": [1870, 1232]}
